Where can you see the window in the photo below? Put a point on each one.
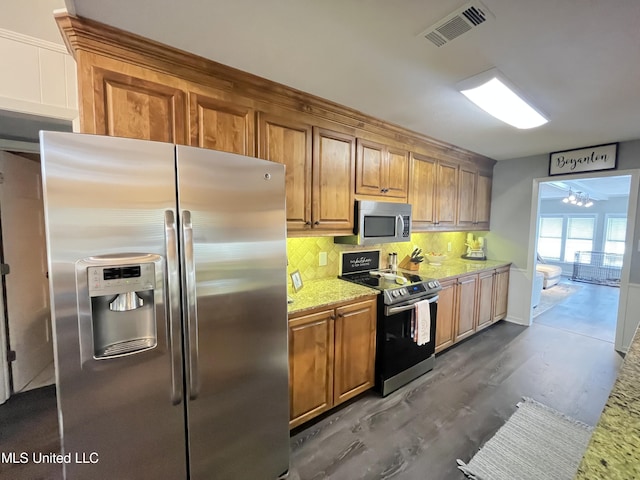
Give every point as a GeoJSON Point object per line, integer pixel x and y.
{"type": "Point", "coordinates": [561, 236]}
{"type": "Point", "coordinates": [615, 232]}
{"type": "Point", "coordinates": [579, 236]}
{"type": "Point", "coordinates": [550, 237]}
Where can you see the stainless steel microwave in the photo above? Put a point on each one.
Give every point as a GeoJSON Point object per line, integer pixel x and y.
{"type": "Point", "coordinates": [380, 222]}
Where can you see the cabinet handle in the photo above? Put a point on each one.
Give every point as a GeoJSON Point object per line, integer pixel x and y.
{"type": "Point", "coordinates": [307, 223]}
{"type": "Point", "coordinates": [333, 317]}
{"type": "Point", "coordinates": [316, 222]}
{"type": "Point", "coordinates": [341, 315]}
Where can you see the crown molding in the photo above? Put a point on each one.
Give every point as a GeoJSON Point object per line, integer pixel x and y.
{"type": "Point", "coordinates": [85, 35]}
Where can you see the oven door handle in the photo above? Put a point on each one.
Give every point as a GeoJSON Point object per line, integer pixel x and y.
{"type": "Point", "coordinates": [388, 311]}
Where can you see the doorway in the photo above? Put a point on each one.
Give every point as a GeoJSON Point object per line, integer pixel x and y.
{"type": "Point", "coordinates": [26, 353]}
{"type": "Point", "coordinates": [581, 230]}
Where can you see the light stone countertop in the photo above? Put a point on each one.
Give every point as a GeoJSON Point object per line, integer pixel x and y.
{"type": "Point", "coordinates": [456, 267]}
{"type": "Point", "coordinates": [327, 291]}
{"type": "Point", "coordinates": [613, 452]}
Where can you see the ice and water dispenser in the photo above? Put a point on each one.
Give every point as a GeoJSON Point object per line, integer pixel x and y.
{"type": "Point", "coordinates": [122, 309]}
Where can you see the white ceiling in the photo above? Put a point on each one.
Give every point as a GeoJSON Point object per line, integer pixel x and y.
{"type": "Point", "coordinates": [576, 60]}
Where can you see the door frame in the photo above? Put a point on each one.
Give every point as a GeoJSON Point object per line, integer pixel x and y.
{"type": "Point", "coordinates": [634, 187]}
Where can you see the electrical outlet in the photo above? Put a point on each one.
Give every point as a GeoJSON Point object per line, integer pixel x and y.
{"type": "Point", "coordinates": [322, 259]}
{"type": "Point", "coordinates": [449, 247]}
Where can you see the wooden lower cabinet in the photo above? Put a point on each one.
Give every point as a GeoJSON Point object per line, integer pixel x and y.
{"type": "Point", "coordinates": [469, 303]}
{"type": "Point", "coordinates": [466, 292]}
{"type": "Point", "coordinates": [501, 293]}
{"type": "Point", "coordinates": [331, 357]}
{"type": "Point", "coordinates": [355, 350]}
{"type": "Point", "coordinates": [445, 320]}
{"type": "Point", "coordinates": [485, 299]}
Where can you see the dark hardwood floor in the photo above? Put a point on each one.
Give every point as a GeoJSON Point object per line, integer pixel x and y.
{"type": "Point", "coordinates": [416, 433]}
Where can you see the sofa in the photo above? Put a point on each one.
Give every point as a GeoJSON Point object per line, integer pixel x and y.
{"type": "Point", "coordinates": [552, 273]}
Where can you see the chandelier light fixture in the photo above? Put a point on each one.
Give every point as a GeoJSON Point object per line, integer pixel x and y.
{"type": "Point", "coordinates": [578, 199]}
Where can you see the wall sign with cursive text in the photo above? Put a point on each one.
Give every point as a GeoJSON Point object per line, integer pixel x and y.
{"type": "Point", "coordinates": [360, 261]}
{"type": "Point", "coordinates": [588, 159]}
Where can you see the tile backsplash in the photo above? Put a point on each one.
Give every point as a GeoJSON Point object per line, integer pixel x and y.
{"type": "Point", "coordinates": [303, 253]}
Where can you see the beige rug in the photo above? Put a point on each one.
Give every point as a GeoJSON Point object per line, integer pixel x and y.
{"type": "Point", "coordinates": [536, 443]}
{"type": "Point", "coordinates": [553, 296]}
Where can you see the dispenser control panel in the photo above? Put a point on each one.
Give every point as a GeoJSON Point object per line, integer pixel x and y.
{"type": "Point", "coordinates": [114, 279]}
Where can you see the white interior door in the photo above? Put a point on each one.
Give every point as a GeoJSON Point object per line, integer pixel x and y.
{"type": "Point", "coordinates": [27, 288]}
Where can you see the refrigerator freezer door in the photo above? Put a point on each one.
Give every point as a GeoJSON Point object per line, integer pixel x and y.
{"type": "Point", "coordinates": [232, 211]}
{"type": "Point", "coordinates": [106, 201]}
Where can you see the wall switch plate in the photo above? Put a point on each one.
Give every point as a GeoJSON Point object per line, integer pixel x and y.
{"type": "Point", "coordinates": [322, 259]}
{"type": "Point", "coordinates": [449, 247]}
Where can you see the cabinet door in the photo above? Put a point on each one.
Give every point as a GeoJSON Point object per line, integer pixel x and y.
{"type": "Point", "coordinates": [501, 294]}
{"type": "Point", "coordinates": [355, 349]}
{"type": "Point", "coordinates": [446, 194]}
{"type": "Point", "coordinates": [485, 299]}
{"type": "Point", "coordinates": [221, 125]}
{"type": "Point", "coordinates": [466, 306]}
{"type": "Point", "coordinates": [370, 168]}
{"type": "Point", "coordinates": [289, 142]}
{"type": "Point", "coordinates": [311, 353]}
{"type": "Point", "coordinates": [466, 197]}
{"type": "Point", "coordinates": [397, 173]}
{"type": "Point", "coordinates": [333, 181]}
{"type": "Point", "coordinates": [445, 319]}
{"type": "Point", "coordinates": [483, 201]}
{"type": "Point", "coordinates": [126, 106]}
{"type": "Point", "coordinates": [422, 193]}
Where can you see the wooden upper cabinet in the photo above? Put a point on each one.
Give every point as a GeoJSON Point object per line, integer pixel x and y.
{"type": "Point", "coordinates": [446, 194]}
{"type": "Point", "coordinates": [333, 181]}
{"type": "Point", "coordinates": [397, 173]}
{"type": "Point", "coordinates": [483, 201]}
{"type": "Point", "coordinates": [466, 197]}
{"type": "Point", "coordinates": [289, 142]}
{"type": "Point", "coordinates": [127, 106]}
{"type": "Point", "coordinates": [370, 169]}
{"type": "Point", "coordinates": [422, 191]}
{"type": "Point", "coordinates": [221, 125]}
{"type": "Point", "coordinates": [381, 170]}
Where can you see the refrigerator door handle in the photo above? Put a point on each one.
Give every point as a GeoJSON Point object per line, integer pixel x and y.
{"type": "Point", "coordinates": [190, 304]}
{"type": "Point", "coordinates": [172, 286]}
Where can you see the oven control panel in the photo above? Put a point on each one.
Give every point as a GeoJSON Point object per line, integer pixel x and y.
{"type": "Point", "coordinates": [395, 295]}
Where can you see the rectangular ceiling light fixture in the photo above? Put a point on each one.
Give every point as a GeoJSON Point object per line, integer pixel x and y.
{"type": "Point", "coordinates": [497, 96]}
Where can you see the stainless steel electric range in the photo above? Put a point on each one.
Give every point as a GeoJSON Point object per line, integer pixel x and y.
{"type": "Point", "coordinates": [399, 358]}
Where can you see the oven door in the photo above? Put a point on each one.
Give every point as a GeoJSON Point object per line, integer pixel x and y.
{"type": "Point", "coordinates": [396, 349]}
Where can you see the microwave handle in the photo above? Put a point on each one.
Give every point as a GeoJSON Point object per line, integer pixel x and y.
{"type": "Point", "coordinates": [400, 221]}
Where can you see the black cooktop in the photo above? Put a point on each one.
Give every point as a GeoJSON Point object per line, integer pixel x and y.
{"type": "Point", "coordinates": [386, 280]}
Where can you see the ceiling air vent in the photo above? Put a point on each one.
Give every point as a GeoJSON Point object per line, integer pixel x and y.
{"type": "Point", "coordinates": [461, 21]}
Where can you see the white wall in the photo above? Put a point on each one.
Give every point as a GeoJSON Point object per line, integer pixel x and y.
{"type": "Point", "coordinates": [512, 225]}
{"type": "Point", "coordinates": [32, 17]}
{"type": "Point", "coordinates": [39, 77]}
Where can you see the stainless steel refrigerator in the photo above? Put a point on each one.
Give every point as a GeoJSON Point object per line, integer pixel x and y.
{"type": "Point", "coordinates": [167, 269]}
